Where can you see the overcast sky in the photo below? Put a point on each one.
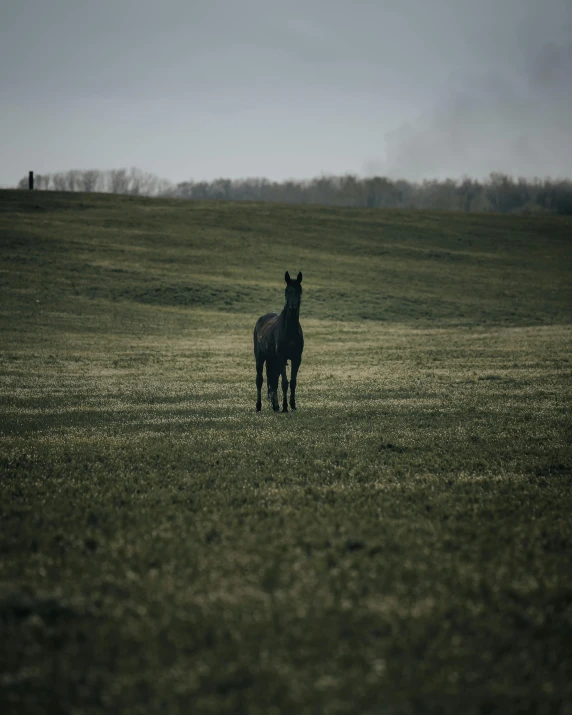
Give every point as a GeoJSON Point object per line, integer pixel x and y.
{"type": "Point", "coordinates": [198, 89]}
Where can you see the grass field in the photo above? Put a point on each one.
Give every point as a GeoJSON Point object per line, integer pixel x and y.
{"type": "Point", "coordinates": [401, 544]}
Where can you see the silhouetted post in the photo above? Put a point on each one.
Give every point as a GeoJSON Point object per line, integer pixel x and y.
{"type": "Point", "coordinates": [31, 180]}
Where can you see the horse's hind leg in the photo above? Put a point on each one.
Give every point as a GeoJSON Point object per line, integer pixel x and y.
{"type": "Point", "coordinates": [293, 380]}
{"type": "Point", "coordinates": [272, 375]}
{"type": "Point", "coordinates": [284, 389]}
{"type": "Point", "coordinates": [259, 381]}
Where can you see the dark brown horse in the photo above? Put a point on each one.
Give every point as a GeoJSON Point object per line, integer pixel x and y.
{"type": "Point", "coordinates": [277, 339]}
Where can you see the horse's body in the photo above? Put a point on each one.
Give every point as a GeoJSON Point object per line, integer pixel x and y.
{"type": "Point", "coordinates": [278, 338]}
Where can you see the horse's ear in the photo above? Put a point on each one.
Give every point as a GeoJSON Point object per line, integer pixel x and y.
{"type": "Point", "coordinates": [299, 278]}
{"type": "Point", "coordinates": [287, 277]}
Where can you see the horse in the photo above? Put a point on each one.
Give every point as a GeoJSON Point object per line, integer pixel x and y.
{"type": "Point", "coordinates": [277, 339]}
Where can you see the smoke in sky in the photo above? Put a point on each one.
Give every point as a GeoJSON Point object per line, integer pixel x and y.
{"type": "Point", "coordinates": [520, 125]}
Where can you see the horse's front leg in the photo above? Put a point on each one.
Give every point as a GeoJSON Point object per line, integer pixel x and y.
{"type": "Point", "coordinates": [284, 389]}
{"type": "Point", "coordinates": [293, 380]}
{"type": "Point", "coordinates": [272, 375]}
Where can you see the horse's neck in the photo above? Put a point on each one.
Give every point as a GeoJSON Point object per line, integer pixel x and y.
{"type": "Point", "coordinates": [290, 322]}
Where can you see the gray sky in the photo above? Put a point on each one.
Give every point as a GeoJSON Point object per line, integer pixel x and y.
{"type": "Point", "coordinates": [198, 89]}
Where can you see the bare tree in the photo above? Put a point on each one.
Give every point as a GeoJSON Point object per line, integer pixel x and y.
{"type": "Point", "coordinates": [74, 180]}
{"type": "Point", "coordinates": [118, 181]}
{"type": "Point", "coordinates": [60, 181]}
{"type": "Point", "coordinates": [90, 180]}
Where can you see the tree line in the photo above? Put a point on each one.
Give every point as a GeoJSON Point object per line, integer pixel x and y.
{"type": "Point", "coordinates": [498, 193]}
{"type": "Point", "coordinates": [114, 181]}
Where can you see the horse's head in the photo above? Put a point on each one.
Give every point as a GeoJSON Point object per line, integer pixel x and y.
{"type": "Point", "coordinates": [293, 293]}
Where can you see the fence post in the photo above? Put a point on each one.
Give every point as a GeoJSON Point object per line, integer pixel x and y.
{"type": "Point", "coordinates": [31, 180]}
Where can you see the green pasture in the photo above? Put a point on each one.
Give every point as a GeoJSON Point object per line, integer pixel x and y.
{"type": "Point", "coordinates": [400, 544]}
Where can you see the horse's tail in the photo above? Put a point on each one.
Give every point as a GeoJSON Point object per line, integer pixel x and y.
{"type": "Point", "coordinates": [255, 338]}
